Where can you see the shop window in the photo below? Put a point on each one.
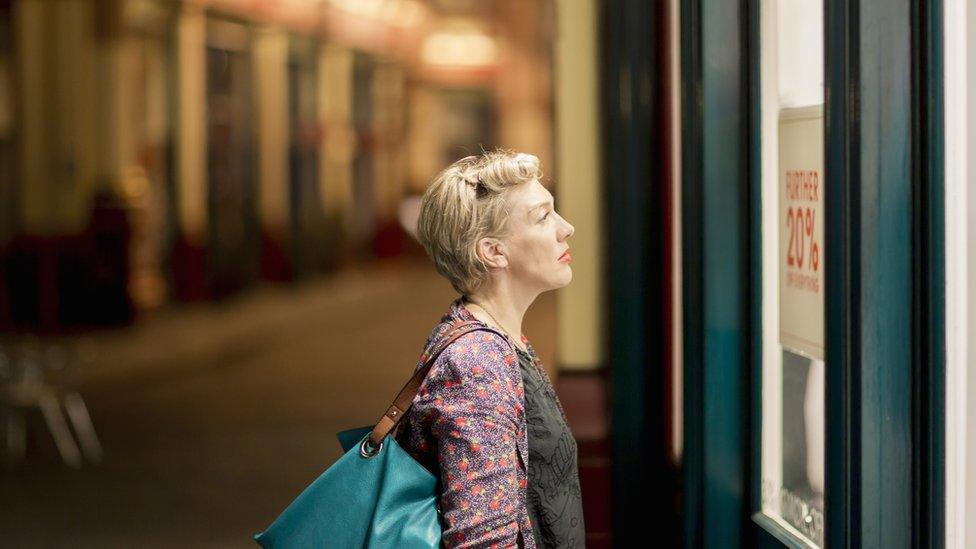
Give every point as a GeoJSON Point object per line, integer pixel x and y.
{"type": "Point", "coordinates": [793, 367]}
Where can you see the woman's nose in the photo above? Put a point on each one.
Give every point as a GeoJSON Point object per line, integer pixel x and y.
{"type": "Point", "coordinates": [568, 230]}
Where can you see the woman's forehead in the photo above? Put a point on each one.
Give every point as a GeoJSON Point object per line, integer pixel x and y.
{"type": "Point", "coordinates": [531, 196]}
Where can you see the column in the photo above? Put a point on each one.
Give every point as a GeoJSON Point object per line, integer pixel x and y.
{"type": "Point", "coordinates": [271, 93]}
{"type": "Point", "coordinates": [190, 154]}
{"type": "Point", "coordinates": [339, 145]}
{"type": "Point", "coordinates": [577, 173]}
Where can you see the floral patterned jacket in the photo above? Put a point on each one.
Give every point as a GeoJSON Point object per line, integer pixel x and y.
{"type": "Point", "coordinates": [467, 425]}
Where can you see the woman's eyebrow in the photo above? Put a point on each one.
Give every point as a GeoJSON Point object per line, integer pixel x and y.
{"type": "Point", "coordinates": [539, 205]}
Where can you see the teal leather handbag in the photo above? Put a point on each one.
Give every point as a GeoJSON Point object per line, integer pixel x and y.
{"type": "Point", "coordinates": [376, 495]}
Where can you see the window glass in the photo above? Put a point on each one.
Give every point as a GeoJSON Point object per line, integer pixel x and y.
{"type": "Point", "coordinates": [793, 368]}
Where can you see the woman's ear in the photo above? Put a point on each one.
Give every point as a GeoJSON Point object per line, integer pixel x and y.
{"type": "Point", "coordinates": [492, 253]}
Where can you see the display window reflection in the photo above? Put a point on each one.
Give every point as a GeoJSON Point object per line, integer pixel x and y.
{"type": "Point", "coordinates": [796, 495]}
{"type": "Point", "coordinates": [793, 268]}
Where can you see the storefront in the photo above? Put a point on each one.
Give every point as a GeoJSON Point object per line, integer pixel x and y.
{"type": "Point", "coordinates": [813, 187]}
{"type": "Point", "coordinates": [808, 196]}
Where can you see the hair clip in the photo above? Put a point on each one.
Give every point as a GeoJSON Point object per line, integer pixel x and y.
{"type": "Point", "coordinates": [477, 184]}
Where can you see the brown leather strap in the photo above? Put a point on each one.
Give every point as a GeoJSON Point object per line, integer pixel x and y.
{"type": "Point", "coordinates": [404, 399]}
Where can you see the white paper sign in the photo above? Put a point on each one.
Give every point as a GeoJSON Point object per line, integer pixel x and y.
{"type": "Point", "coordinates": [801, 231]}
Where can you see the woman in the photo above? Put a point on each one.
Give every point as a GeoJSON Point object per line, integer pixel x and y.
{"type": "Point", "coordinates": [486, 420]}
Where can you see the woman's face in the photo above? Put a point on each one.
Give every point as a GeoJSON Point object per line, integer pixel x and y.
{"type": "Point", "coordinates": [538, 252]}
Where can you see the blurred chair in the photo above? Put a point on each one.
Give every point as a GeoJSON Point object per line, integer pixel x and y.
{"type": "Point", "coordinates": [36, 373]}
{"type": "Point", "coordinates": [53, 289]}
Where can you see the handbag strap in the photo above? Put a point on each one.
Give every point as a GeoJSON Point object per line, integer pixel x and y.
{"type": "Point", "coordinates": [404, 398]}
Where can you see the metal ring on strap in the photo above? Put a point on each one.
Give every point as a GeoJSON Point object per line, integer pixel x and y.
{"type": "Point", "coordinates": [366, 450]}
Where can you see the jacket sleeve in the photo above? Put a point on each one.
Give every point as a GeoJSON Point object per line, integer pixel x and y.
{"type": "Point", "coordinates": [476, 414]}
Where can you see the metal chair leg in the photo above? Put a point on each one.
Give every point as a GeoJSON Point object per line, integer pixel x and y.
{"type": "Point", "coordinates": [81, 421]}
{"type": "Point", "coordinates": [59, 430]}
{"type": "Point", "coordinates": [16, 436]}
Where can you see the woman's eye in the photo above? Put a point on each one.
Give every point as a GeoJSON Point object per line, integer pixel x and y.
{"type": "Point", "coordinates": [545, 216]}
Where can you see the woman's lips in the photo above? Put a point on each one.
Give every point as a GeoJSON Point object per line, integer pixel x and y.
{"type": "Point", "coordinates": [565, 258]}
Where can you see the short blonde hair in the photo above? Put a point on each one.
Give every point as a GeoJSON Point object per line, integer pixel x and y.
{"type": "Point", "coordinates": [465, 203]}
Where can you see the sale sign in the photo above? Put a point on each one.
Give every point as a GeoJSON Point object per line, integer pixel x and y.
{"type": "Point", "coordinates": [801, 231]}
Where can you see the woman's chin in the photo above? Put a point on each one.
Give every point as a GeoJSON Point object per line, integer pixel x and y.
{"type": "Point", "coordinates": [566, 276]}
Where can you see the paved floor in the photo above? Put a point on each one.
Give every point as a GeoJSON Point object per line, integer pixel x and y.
{"type": "Point", "coordinates": [213, 417]}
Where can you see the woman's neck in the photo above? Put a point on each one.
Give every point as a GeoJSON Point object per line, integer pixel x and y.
{"type": "Point", "coordinates": [501, 308]}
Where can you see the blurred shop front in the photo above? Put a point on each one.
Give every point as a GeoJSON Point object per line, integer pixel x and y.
{"type": "Point", "coordinates": [166, 151]}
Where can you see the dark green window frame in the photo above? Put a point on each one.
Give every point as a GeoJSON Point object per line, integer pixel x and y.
{"type": "Point", "coordinates": [885, 273]}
